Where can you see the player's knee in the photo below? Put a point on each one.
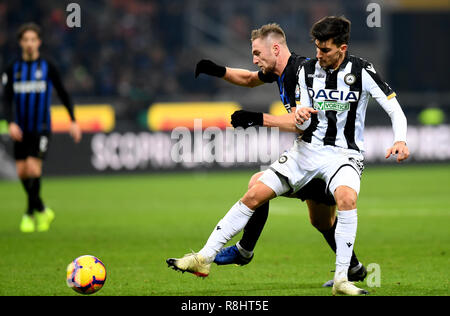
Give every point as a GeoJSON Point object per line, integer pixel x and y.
{"type": "Point", "coordinates": [22, 172]}
{"type": "Point", "coordinates": [33, 171]}
{"type": "Point", "coordinates": [254, 178]}
{"type": "Point", "coordinates": [345, 198]}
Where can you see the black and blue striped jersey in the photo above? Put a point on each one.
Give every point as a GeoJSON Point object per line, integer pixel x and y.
{"type": "Point", "coordinates": [287, 82]}
{"type": "Point", "coordinates": [27, 94]}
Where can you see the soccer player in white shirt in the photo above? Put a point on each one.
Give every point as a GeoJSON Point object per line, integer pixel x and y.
{"type": "Point", "coordinates": [335, 89]}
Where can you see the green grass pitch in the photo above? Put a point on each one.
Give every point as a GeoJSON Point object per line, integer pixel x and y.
{"type": "Point", "coordinates": [133, 223]}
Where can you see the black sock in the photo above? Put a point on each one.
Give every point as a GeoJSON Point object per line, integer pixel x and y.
{"type": "Point", "coordinates": [331, 240]}
{"type": "Point", "coordinates": [254, 227]}
{"type": "Point", "coordinates": [34, 195]}
{"type": "Point", "coordinates": [26, 185]}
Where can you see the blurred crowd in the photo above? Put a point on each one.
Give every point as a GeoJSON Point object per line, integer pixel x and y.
{"type": "Point", "coordinates": [135, 47]}
{"type": "Point", "coordinates": [119, 49]}
{"type": "Point", "coordinates": [143, 51]}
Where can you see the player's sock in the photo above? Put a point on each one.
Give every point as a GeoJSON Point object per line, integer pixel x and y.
{"type": "Point", "coordinates": [329, 236]}
{"type": "Point", "coordinates": [345, 235]}
{"type": "Point", "coordinates": [228, 227]}
{"type": "Point", "coordinates": [244, 253]}
{"type": "Point", "coordinates": [26, 185]}
{"type": "Point", "coordinates": [253, 230]}
{"type": "Point", "coordinates": [35, 191]}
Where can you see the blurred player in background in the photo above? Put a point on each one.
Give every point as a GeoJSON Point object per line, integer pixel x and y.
{"type": "Point", "coordinates": [28, 82]}
{"type": "Point", "coordinates": [277, 64]}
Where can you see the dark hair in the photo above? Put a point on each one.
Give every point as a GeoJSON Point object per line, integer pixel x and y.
{"type": "Point", "coordinates": [337, 28]}
{"type": "Point", "coordinates": [31, 26]}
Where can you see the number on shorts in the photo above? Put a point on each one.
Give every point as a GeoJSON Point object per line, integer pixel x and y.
{"type": "Point", "coordinates": [43, 143]}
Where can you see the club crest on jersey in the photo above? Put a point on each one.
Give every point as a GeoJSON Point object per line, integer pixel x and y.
{"type": "Point", "coordinates": [333, 95]}
{"type": "Point", "coordinates": [350, 79]}
{"type": "Point", "coordinates": [282, 159]}
{"type": "Point", "coordinates": [38, 74]}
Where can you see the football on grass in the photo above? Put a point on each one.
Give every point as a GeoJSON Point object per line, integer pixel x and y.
{"type": "Point", "coordinates": [86, 274]}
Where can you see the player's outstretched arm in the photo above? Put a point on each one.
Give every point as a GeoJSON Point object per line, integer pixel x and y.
{"type": "Point", "coordinates": [386, 97]}
{"type": "Point", "coordinates": [240, 77]}
{"type": "Point", "coordinates": [285, 123]}
{"type": "Point", "coordinates": [246, 119]}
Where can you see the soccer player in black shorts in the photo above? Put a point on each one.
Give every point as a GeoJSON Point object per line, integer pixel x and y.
{"type": "Point", "coordinates": [28, 82]}
{"type": "Point", "coordinates": [322, 207]}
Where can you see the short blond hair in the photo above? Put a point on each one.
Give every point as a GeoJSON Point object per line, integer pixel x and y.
{"type": "Point", "coordinates": [269, 30]}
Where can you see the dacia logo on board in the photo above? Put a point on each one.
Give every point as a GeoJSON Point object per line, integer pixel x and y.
{"type": "Point", "coordinates": [334, 95]}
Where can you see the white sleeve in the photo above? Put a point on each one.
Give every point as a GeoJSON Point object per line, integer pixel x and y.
{"type": "Point", "coordinates": [388, 102]}
{"type": "Point", "coordinates": [305, 100]}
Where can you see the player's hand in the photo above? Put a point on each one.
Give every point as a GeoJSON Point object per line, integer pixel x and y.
{"type": "Point", "coordinates": [210, 68]}
{"type": "Point", "coordinates": [246, 119]}
{"type": "Point", "coordinates": [400, 149]}
{"type": "Point", "coordinates": [75, 132]}
{"type": "Point", "coordinates": [15, 132]}
{"type": "Point", "coordinates": [303, 114]}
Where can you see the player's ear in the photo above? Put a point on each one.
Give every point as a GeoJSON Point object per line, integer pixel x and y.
{"type": "Point", "coordinates": [343, 48]}
{"type": "Point", "coordinates": [276, 48]}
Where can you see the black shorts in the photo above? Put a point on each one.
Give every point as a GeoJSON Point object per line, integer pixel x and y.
{"type": "Point", "coordinates": [32, 145]}
{"type": "Point", "coordinates": [315, 190]}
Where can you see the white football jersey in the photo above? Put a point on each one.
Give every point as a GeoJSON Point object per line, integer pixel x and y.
{"type": "Point", "coordinates": [341, 97]}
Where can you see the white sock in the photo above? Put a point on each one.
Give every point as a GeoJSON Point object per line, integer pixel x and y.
{"type": "Point", "coordinates": [345, 238]}
{"type": "Point", "coordinates": [228, 227]}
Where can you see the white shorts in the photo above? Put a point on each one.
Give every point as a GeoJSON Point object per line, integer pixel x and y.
{"type": "Point", "coordinates": [305, 161]}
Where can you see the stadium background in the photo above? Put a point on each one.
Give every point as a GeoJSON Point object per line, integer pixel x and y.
{"type": "Point", "coordinates": [131, 63]}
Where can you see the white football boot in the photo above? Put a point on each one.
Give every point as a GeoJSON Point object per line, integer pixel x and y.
{"type": "Point", "coordinates": [345, 287]}
{"type": "Point", "coordinates": [192, 262]}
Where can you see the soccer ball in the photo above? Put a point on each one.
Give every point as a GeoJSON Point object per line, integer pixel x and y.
{"type": "Point", "coordinates": [86, 274]}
